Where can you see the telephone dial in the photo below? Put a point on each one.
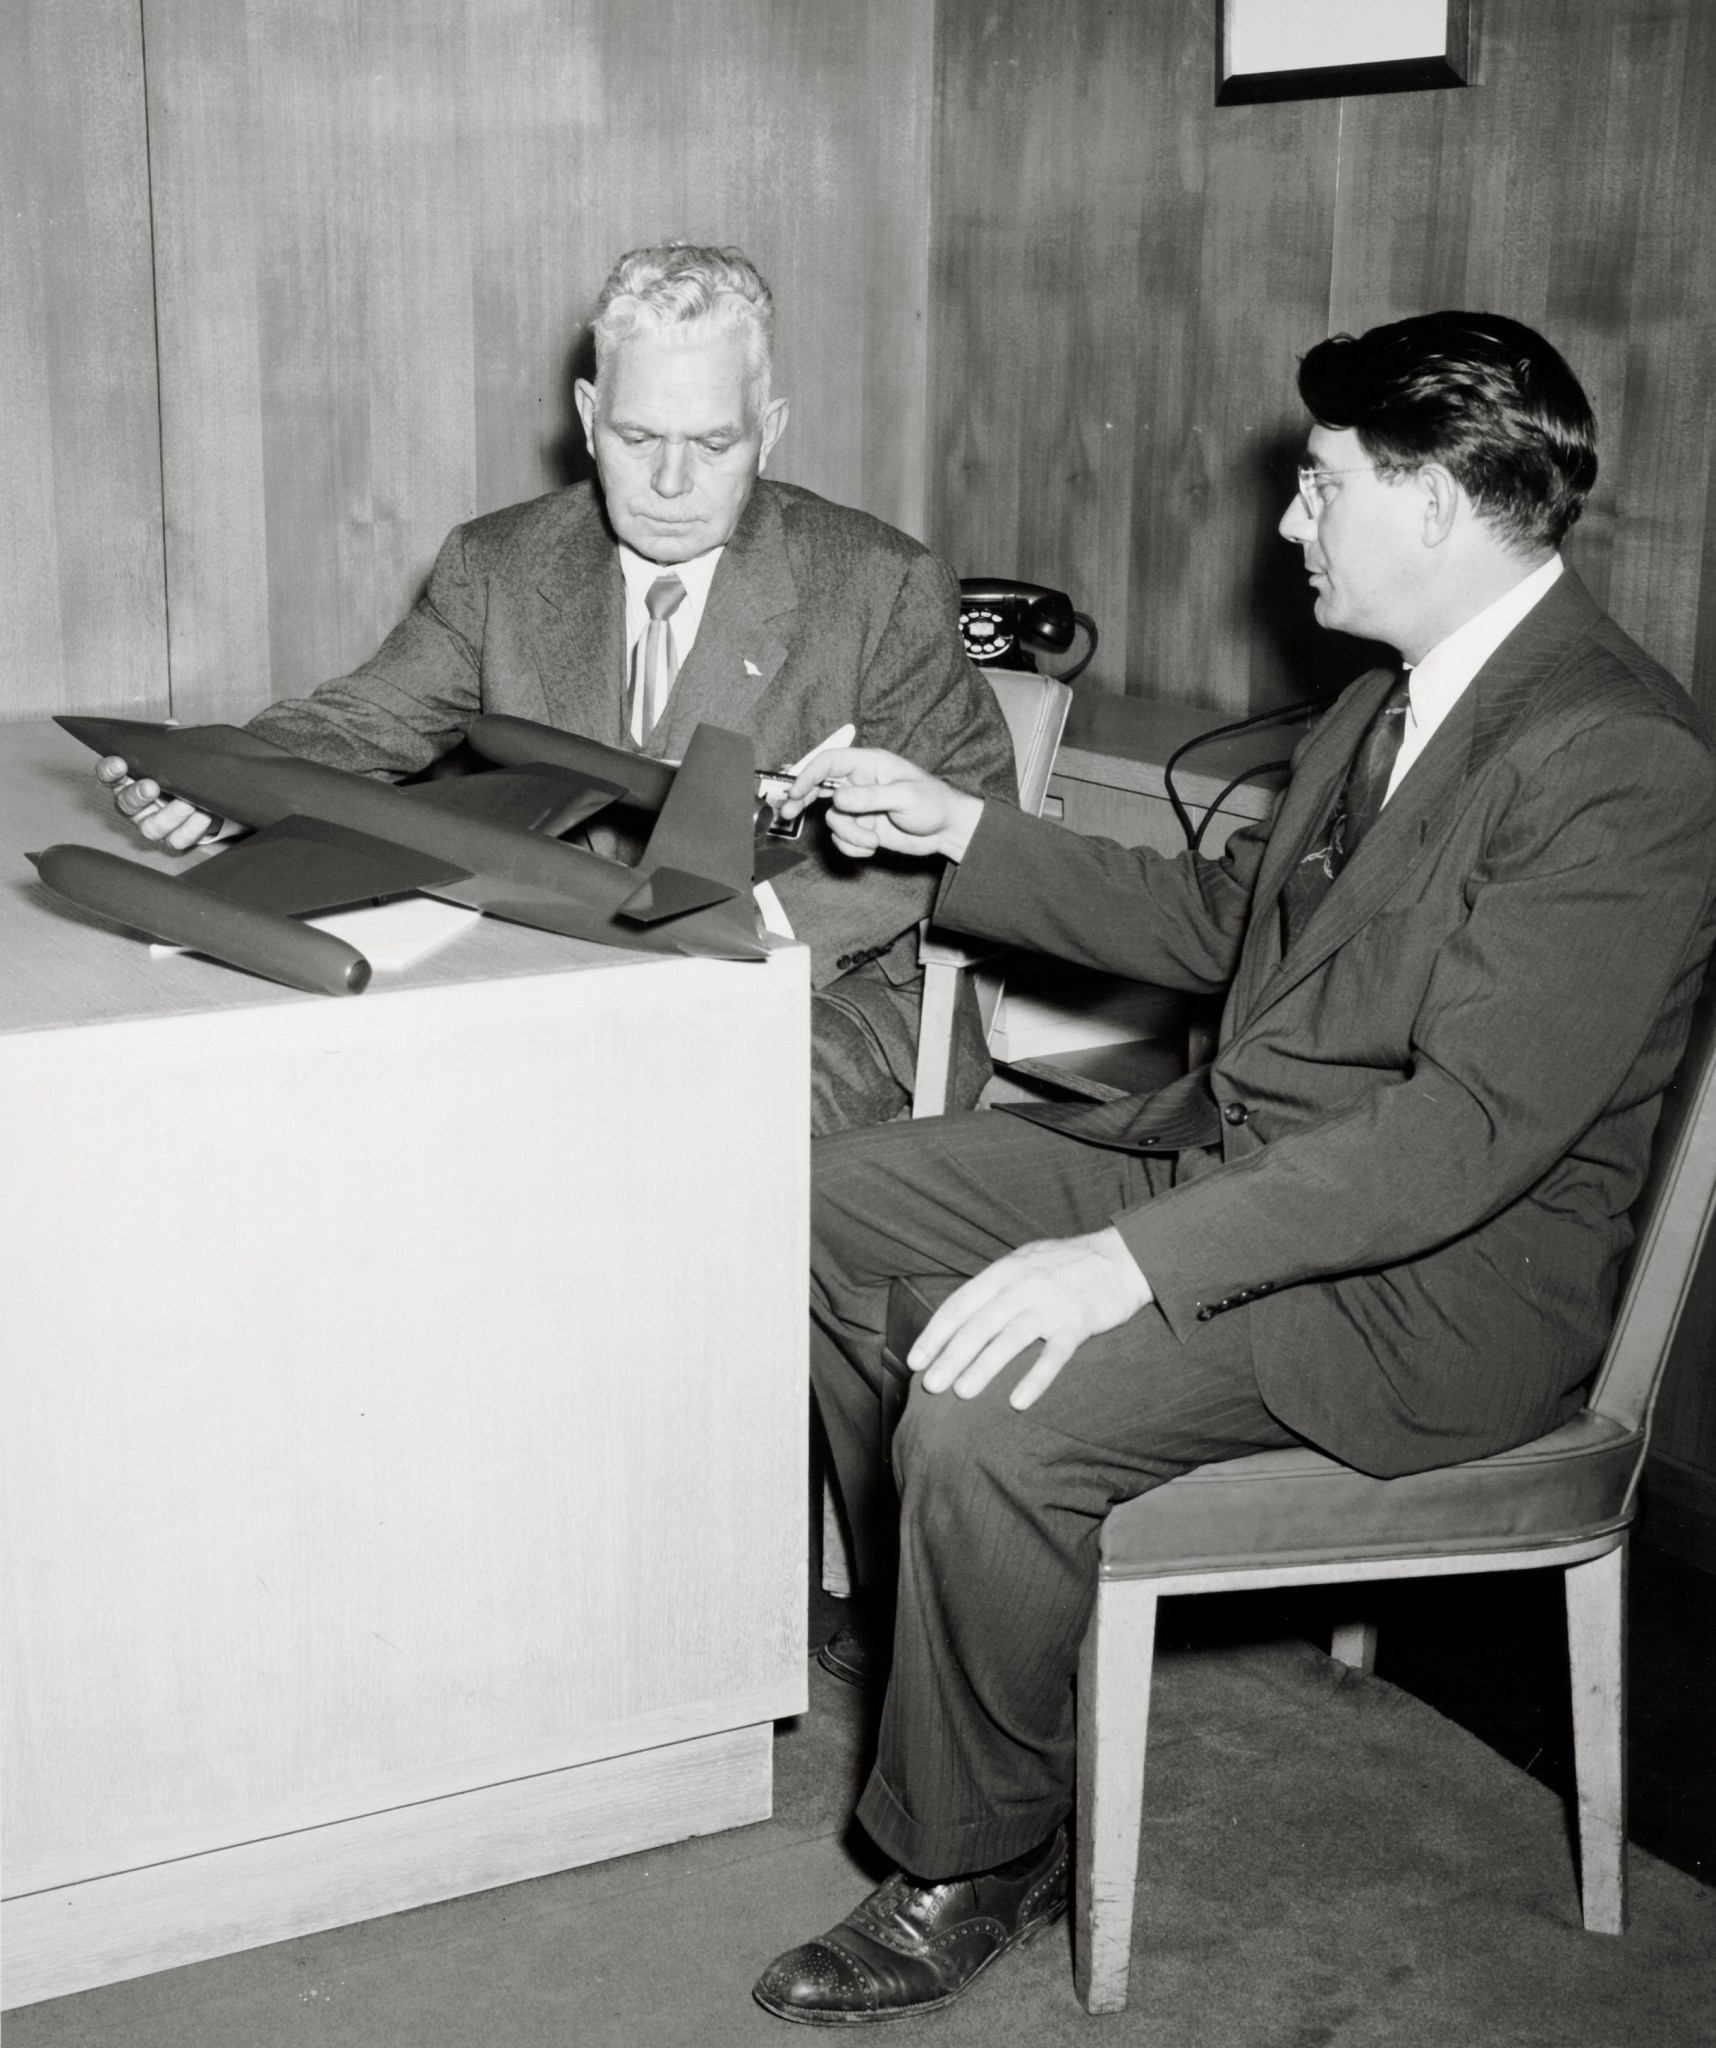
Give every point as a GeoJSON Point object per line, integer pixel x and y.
{"type": "Point", "coordinates": [1010, 624]}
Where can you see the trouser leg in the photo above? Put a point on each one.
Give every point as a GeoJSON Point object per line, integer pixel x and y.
{"type": "Point", "coordinates": [1000, 1511]}
{"type": "Point", "coordinates": [863, 1050]}
{"type": "Point", "coordinates": [946, 1196]}
{"type": "Point", "coordinates": [1001, 1514]}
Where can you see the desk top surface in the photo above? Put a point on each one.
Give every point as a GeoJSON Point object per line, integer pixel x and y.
{"type": "Point", "coordinates": [1126, 741]}
{"type": "Point", "coordinates": [62, 966]}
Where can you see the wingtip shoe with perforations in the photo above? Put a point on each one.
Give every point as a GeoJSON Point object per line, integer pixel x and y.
{"type": "Point", "coordinates": [911, 1948]}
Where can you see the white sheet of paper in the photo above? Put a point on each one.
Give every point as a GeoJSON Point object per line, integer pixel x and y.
{"type": "Point", "coordinates": [390, 936]}
{"type": "Point", "coordinates": [775, 918]}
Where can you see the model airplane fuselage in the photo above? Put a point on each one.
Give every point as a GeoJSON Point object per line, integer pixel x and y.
{"type": "Point", "coordinates": [325, 839]}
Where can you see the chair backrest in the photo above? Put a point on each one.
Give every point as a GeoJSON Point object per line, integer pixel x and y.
{"type": "Point", "coordinates": [1670, 1218]}
{"type": "Point", "coordinates": [1035, 708]}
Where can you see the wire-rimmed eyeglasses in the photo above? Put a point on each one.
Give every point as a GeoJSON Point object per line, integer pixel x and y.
{"type": "Point", "coordinates": [1312, 480]}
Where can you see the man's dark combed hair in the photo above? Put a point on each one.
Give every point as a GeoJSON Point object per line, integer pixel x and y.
{"type": "Point", "coordinates": [1484, 396]}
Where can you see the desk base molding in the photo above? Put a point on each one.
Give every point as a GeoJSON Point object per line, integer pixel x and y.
{"type": "Point", "coordinates": [106, 1929]}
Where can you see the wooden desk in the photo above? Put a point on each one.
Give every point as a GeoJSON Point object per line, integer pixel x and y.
{"type": "Point", "coordinates": [404, 1409]}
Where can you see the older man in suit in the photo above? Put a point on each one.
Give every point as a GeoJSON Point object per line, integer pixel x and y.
{"type": "Point", "coordinates": [1386, 1220]}
{"type": "Point", "coordinates": [689, 590]}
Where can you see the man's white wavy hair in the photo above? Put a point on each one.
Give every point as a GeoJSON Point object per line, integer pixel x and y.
{"type": "Point", "coordinates": [690, 294]}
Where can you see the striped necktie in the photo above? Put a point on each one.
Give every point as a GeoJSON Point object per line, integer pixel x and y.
{"type": "Point", "coordinates": [656, 664]}
{"type": "Point", "coordinates": [1355, 811]}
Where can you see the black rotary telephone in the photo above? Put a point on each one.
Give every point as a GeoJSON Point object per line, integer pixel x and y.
{"type": "Point", "coordinates": [1010, 624]}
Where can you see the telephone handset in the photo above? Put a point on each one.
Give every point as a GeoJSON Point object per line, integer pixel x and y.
{"type": "Point", "coordinates": [1001, 621]}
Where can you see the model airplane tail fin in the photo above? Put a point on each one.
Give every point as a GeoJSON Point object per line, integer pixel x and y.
{"type": "Point", "coordinates": [671, 892]}
{"type": "Point", "coordinates": [705, 826]}
{"type": "Point", "coordinates": [704, 843]}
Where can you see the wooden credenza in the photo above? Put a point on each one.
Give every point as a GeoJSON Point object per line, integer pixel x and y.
{"type": "Point", "coordinates": [404, 1409]}
{"type": "Point", "coordinates": [1108, 777]}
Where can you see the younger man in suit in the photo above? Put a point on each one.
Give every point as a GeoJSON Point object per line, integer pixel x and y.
{"type": "Point", "coordinates": [688, 590]}
{"type": "Point", "coordinates": [1386, 1220]}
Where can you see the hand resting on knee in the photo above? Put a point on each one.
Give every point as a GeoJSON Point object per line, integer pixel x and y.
{"type": "Point", "coordinates": [1060, 1289]}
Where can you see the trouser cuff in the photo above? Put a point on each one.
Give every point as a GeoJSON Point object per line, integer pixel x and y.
{"type": "Point", "coordinates": [954, 1848]}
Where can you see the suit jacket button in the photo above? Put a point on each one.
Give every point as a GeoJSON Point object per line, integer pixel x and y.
{"type": "Point", "coordinates": [1236, 1112]}
{"type": "Point", "coordinates": [1204, 1314]}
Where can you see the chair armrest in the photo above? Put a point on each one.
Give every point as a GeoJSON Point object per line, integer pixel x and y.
{"type": "Point", "coordinates": [943, 961]}
{"type": "Point", "coordinates": [935, 950]}
{"type": "Point", "coordinates": [935, 1034]}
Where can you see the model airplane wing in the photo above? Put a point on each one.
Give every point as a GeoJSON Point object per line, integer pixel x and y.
{"type": "Point", "coordinates": [522, 743]}
{"type": "Point", "coordinates": [303, 865]}
{"type": "Point", "coordinates": [534, 798]}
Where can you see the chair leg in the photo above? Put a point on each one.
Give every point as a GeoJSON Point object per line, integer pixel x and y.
{"type": "Point", "coordinates": [1596, 1657]}
{"type": "Point", "coordinates": [1353, 1643]}
{"type": "Point", "coordinates": [1113, 1726]}
{"type": "Point", "coordinates": [836, 1556]}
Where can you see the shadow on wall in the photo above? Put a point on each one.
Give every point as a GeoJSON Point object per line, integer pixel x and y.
{"type": "Point", "coordinates": [567, 458]}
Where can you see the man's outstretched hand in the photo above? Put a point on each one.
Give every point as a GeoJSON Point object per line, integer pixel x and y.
{"type": "Point", "coordinates": [1061, 1289]}
{"type": "Point", "coordinates": [879, 800]}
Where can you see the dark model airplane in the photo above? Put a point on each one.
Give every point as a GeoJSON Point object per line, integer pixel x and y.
{"type": "Point", "coordinates": [326, 840]}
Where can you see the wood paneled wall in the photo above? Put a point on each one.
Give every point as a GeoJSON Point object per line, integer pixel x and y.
{"type": "Point", "coordinates": [377, 232]}
{"type": "Point", "coordinates": [82, 602]}
{"type": "Point", "coordinates": [371, 236]}
{"type": "Point", "coordinates": [1124, 275]}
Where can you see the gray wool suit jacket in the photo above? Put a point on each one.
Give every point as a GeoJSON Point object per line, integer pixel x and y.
{"type": "Point", "coordinates": [1435, 1109]}
{"type": "Point", "coordinates": [818, 616]}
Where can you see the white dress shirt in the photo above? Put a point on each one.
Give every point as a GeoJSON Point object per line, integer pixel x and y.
{"type": "Point", "coordinates": [1441, 679]}
{"type": "Point", "coordinates": [696, 575]}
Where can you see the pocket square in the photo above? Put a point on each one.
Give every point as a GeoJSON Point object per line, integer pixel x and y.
{"type": "Point", "coordinates": [751, 669]}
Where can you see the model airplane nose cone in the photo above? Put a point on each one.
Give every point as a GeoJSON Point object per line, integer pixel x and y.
{"type": "Point", "coordinates": [109, 735]}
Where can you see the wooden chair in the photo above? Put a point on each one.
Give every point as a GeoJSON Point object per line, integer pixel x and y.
{"type": "Point", "coordinates": [1296, 1518]}
{"type": "Point", "coordinates": [1035, 708]}
{"type": "Point", "coordinates": [1075, 1030]}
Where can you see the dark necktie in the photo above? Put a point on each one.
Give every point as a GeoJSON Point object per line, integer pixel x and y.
{"type": "Point", "coordinates": [657, 666]}
{"type": "Point", "coordinates": [1355, 811]}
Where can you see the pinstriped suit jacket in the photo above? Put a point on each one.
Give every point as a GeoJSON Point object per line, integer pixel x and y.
{"type": "Point", "coordinates": [818, 616]}
{"type": "Point", "coordinates": [1434, 1111]}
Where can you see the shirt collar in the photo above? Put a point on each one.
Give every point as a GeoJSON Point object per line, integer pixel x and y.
{"type": "Point", "coordinates": [696, 575]}
{"type": "Point", "coordinates": [1438, 681]}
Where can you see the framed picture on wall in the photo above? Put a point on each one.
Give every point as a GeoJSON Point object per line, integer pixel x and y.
{"type": "Point", "coordinates": [1322, 49]}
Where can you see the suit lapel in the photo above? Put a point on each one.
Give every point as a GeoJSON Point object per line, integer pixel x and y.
{"type": "Point", "coordinates": [1312, 790]}
{"type": "Point", "coordinates": [1419, 816]}
{"type": "Point", "coordinates": [742, 640]}
{"type": "Point", "coordinates": [1304, 808]}
{"type": "Point", "coordinates": [582, 634]}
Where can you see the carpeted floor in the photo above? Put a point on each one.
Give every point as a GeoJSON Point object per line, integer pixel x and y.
{"type": "Point", "coordinates": [1326, 1860]}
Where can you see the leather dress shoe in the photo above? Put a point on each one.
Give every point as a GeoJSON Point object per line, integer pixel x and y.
{"type": "Point", "coordinates": [861, 1649]}
{"type": "Point", "coordinates": [911, 1947]}
{"type": "Point", "coordinates": [849, 1654]}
